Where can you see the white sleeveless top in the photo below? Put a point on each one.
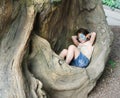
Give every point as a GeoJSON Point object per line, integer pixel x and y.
{"type": "Point", "coordinates": [86, 49]}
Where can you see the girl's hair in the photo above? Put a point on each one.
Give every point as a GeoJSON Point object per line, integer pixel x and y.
{"type": "Point", "coordinates": [83, 31]}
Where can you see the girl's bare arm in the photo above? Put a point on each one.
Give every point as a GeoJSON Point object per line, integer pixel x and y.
{"type": "Point", "coordinates": [92, 38]}
{"type": "Point", "coordinates": [75, 41]}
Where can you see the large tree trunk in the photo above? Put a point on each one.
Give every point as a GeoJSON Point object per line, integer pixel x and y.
{"type": "Point", "coordinates": [29, 65]}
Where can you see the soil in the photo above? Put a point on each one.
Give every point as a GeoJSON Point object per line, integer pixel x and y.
{"type": "Point", "coordinates": [108, 86]}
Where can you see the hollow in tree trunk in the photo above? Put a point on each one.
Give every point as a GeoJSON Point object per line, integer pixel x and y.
{"type": "Point", "coordinates": [33, 32]}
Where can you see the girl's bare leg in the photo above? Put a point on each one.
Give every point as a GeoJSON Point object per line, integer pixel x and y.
{"type": "Point", "coordinates": [72, 52]}
{"type": "Point", "coordinates": [63, 53]}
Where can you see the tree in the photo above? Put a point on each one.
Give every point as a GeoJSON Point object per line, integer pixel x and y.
{"type": "Point", "coordinates": [29, 65]}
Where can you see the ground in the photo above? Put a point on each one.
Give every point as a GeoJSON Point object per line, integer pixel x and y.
{"type": "Point", "coordinates": [108, 86]}
{"type": "Point", "coordinates": [112, 16]}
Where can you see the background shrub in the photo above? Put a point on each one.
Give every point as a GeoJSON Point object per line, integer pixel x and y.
{"type": "Point", "coordinates": [112, 3]}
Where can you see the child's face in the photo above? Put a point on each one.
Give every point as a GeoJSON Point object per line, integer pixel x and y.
{"type": "Point", "coordinates": [81, 37]}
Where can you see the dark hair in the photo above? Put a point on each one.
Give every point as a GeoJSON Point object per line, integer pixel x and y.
{"type": "Point", "coordinates": [83, 31]}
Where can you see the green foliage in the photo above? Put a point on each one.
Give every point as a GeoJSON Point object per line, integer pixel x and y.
{"type": "Point", "coordinates": [112, 3]}
{"type": "Point", "coordinates": [112, 63]}
{"type": "Point", "coordinates": [117, 4]}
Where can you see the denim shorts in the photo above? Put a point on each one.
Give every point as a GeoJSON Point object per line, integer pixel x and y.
{"type": "Point", "coordinates": [81, 61]}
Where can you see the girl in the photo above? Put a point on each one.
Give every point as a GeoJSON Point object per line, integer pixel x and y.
{"type": "Point", "coordinates": [79, 54]}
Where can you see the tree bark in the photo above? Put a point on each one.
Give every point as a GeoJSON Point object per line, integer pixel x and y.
{"type": "Point", "coordinates": [16, 26]}
{"type": "Point", "coordinates": [29, 65]}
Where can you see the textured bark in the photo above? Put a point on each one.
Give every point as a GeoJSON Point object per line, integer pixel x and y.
{"type": "Point", "coordinates": [16, 22]}
{"type": "Point", "coordinates": [21, 25]}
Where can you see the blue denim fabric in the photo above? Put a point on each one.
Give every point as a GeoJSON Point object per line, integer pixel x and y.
{"type": "Point", "coordinates": [81, 61]}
